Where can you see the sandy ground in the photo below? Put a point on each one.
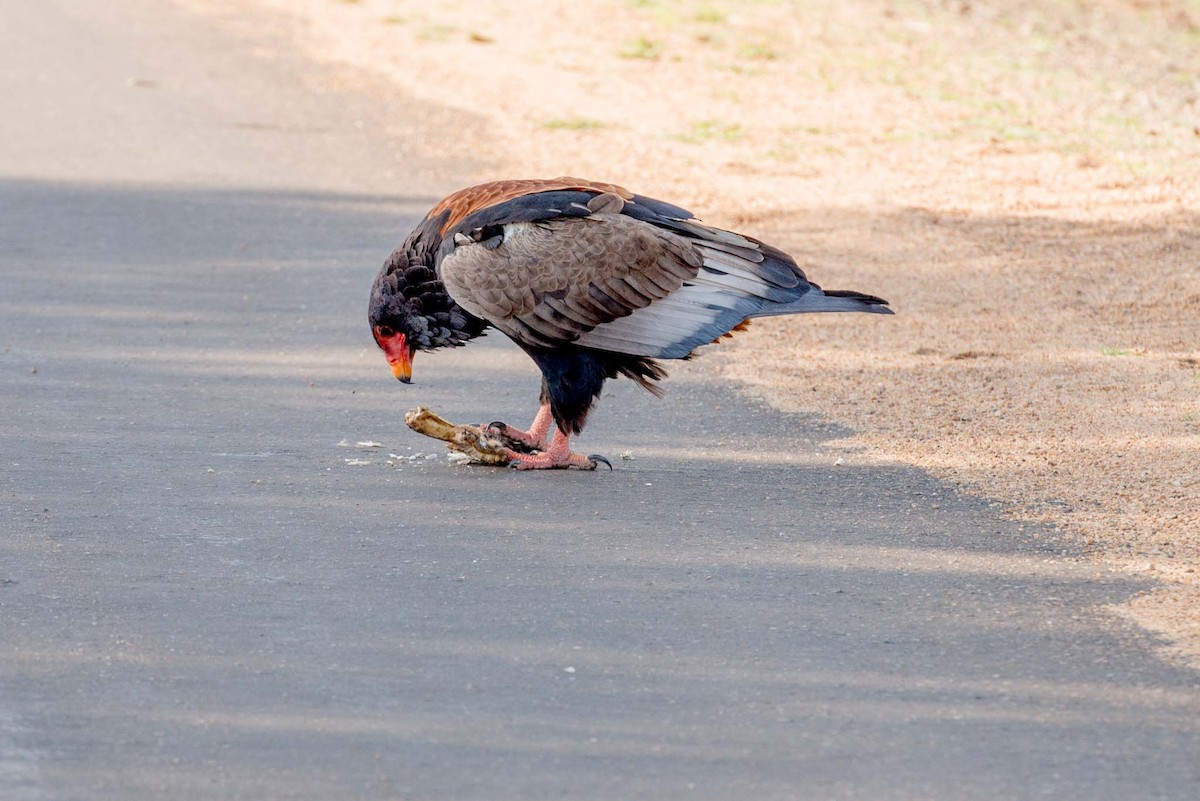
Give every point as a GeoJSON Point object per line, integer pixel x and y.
{"type": "Point", "coordinates": [1019, 179]}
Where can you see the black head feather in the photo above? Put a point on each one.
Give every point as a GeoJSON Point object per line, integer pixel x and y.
{"type": "Point", "coordinates": [409, 298]}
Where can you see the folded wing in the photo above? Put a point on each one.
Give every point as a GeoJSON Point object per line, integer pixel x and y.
{"type": "Point", "coordinates": [600, 268]}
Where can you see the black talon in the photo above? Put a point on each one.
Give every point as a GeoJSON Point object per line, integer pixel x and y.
{"type": "Point", "coordinates": [596, 458]}
{"type": "Point", "coordinates": [513, 464]}
{"type": "Point", "coordinates": [499, 430]}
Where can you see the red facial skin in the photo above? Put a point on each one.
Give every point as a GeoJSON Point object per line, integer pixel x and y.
{"type": "Point", "coordinates": [396, 349]}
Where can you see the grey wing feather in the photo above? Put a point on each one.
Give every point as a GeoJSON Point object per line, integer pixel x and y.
{"type": "Point", "coordinates": [549, 283]}
{"type": "Point", "coordinates": [640, 284]}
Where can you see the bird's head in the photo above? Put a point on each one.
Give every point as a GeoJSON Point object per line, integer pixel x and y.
{"type": "Point", "coordinates": [394, 344]}
{"type": "Point", "coordinates": [396, 322]}
{"type": "Point", "coordinates": [410, 309]}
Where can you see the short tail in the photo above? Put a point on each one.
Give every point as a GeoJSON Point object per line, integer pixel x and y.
{"type": "Point", "coordinates": [849, 300]}
{"type": "Point", "coordinates": [828, 300]}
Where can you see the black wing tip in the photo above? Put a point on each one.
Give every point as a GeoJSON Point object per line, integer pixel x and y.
{"type": "Point", "coordinates": [874, 304]}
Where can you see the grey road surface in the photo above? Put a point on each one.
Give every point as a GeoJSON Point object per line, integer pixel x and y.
{"type": "Point", "coordinates": [208, 591]}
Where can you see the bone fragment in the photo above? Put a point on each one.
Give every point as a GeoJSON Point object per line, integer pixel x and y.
{"type": "Point", "coordinates": [479, 447]}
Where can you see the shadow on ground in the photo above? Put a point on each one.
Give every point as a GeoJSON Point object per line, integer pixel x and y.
{"type": "Point", "coordinates": [238, 606]}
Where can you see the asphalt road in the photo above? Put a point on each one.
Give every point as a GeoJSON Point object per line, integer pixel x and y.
{"type": "Point", "coordinates": [204, 596]}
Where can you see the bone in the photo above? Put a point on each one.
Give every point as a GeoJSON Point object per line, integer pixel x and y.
{"type": "Point", "coordinates": [479, 447]}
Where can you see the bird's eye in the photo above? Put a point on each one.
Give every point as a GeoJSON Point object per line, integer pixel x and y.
{"type": "Point", "coordinates": [386, 332]}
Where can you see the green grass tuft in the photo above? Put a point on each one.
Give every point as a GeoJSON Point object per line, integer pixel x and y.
{"type": "Point", "coordinates": [574, 124]}
{"type": "Point", "coordinates": [436, 33]}
{"type": "Point", "coordinates": [757, 51]}
{"type": "Point", "coordinates": [710, 130]}
{"type": "Point", "coordinates": [643, 48]}
{"type": "Point", "coordinates": [710, 16]}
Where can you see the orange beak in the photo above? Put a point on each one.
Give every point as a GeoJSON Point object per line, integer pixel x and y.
{"type": "Point", "coordinates": [398, 354]}
{"type": "Point", "coordinates": [402, 367]}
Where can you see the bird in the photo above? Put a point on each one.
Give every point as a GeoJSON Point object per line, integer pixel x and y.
{"type": "Point", "coordinates": [590, 280]}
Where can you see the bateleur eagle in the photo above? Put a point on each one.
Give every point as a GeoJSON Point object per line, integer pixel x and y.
{"type": "Point", "coordinates": [589, 279]}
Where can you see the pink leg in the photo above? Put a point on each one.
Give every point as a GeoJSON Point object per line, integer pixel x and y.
{"type": "Point", "coordinates": [538, 435]}
{"type": "Point", "coordinates": [559, 455]}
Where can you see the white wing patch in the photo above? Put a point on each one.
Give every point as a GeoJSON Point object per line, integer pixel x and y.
{"type": "Point", "coordinates": [724, 293]}
{"type": "Point", "coordinates": [728, 272]}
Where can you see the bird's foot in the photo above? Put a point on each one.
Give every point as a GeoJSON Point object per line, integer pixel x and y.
{"type": "Point", "coordinates": [549, 460]}
{"type": "Point", "coordinates": [514, 438]}
{"type": "Point", "coordinates": [533, 449]}
{"type": "Point", "coordinates": [537, 438]}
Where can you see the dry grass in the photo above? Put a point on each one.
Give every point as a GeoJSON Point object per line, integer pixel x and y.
{"type": "Point", "coordinates": [1018, 178]}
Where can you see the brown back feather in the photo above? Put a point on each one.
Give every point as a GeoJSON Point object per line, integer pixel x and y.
{"type": "Point", "coordinates": [467, 201]}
